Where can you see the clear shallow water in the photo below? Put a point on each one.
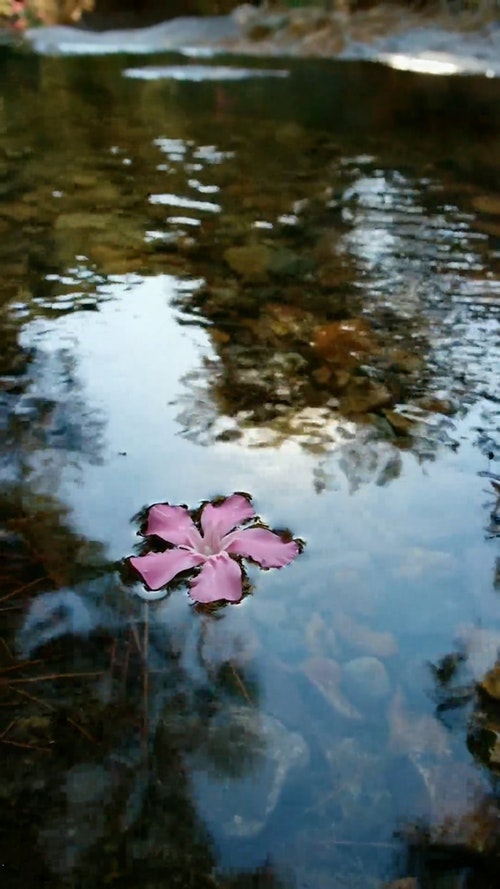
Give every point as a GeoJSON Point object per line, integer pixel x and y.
{"type": "Point", "coordinates": [296, 736]}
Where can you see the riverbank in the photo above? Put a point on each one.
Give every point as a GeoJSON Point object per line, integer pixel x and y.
{"type": "Point", "coordinates": [418, 41]}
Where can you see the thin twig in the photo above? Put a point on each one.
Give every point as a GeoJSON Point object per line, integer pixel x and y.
{"type": "Point", "coordinates": [135, 635]}
{"type": "Point", "coordinates": [22, 589]}
{"type": "Point", "coordinates": [82, 730]}
{"type": "Point", "coordinates": [112, 659]}
{"type": "Point", "coordinates": [7, 730]}
{"type": "Point", "coordinates": [26, 694]}
{"type": "Point", "coordinates": [331, 842]}
{"type": "Point", "coordinates": [125, 664]}
{"type": "Point", "coordinates": [240, 684]}
{"type": "Point", "coordinates": [25, 746]}
{"type": "Point", "coordinates": [7, 649]}
{"type": "Point", "coordinates": [18, 666]}
{"type": "Point", "coordinates": [56, 676]}
{"type": "Point", "coordinates": [145, 672]}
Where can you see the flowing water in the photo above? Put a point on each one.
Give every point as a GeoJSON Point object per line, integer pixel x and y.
{"type": "Point", "coordinates": [282, 281]}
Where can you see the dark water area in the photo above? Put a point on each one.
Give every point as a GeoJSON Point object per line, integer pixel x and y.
{"type": "Point", "coordinates": [222, 276]}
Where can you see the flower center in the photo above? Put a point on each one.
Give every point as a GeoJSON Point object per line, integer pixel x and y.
{"type": "Point", "coordinates": [208, 550]}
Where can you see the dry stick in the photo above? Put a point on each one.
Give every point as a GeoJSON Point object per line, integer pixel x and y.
{"type": "Point", "coordinates": [135, 635]}
{"type": "Point", "coordinates": [25, 746]}
{"type": "Point", "coordinates": [18, 666]}
{"type": "Point", "coordinates": [7, 649]}
{"type": "Point", "coordinates": [82, 730]}
{"type": "Point", "coordinates": [240, 684]}
{"type": "Point", "coordinates": [125, 664]}
{"type": "Point", "coordinates": [7, 730]}
{"type": "Point", "coordinates": [145, 672]}
{"type": "Point", "coordinates": [26, 694]}
{"type": "Point", "coordinates": [55, 676]}
{"type": "Point", "coordinates": [22, 589]}
{"type": "Point", "coordinates": [112, 660]}
{"type": "Point", "coordinates": [360, 843]}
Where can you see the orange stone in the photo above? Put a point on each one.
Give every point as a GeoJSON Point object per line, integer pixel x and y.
{"type": "Point", "coordinates": [344, 343]}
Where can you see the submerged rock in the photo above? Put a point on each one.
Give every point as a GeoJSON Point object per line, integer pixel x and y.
{"type": "Point", "coordinates": [344, 343]}
{"type": "Point", "coordinates": [487, 203]}
{"type": "Point", "coordinates": [491, 683]}
{"type": "Point", "coordinates": [371, 642]}
{"type": "Point", "coordinates": [365, 680]}
{"type": "Point", "coordinates": [482, 649]}
{"type": "Point", "coordinates": [319, 637]}
{"type": "Point", "coordinates": [251, 758]}
{"type": "Point", "coordinates": [402, 424]}
{"type": "Point", "coordinates": [461, 811]}
{"type": "Point", "coordinates": [364, 395]}
{"type": "Point", "coordinates": [326, 676]}
{"type": "Point", "coordinates": [54, 615]}
{"type": "Point", "coordinates": [413, 733]}
{"type": "Point", "coordinates": [359, 785]}
{"type": "Point", "coordinates": [250, 263]}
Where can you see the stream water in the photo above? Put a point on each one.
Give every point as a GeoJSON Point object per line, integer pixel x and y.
{"type": "Point", "coordinates": [281, 280]}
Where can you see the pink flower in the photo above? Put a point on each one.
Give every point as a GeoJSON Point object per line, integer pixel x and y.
{"type": "Point", "coordinates": [214, 546]}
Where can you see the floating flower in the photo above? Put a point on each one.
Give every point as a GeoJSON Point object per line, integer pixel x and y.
{"type": "Point", "coordinates": [215, 545]}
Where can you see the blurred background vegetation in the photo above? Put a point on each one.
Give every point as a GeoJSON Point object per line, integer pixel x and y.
{"type": "Point", "coordinates": [22, 13]}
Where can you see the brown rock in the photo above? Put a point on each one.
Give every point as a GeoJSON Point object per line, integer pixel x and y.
{"type": "Point", "coordinates": [18, 212]}
{"type": "Point", "coordinates": [489, 225]}
{"type": "Point", "coordinates": [495, 751]}
{"type": "Point", "coordinates": [401, 424]}
{"type": "Point", "coordinates": [219, 336]}
{"type": "Point", "coordinates": [340, 378]}
{"type": "Point", "coordinates": [288, 320]}
{"type": "Point", "coordinates": [491, 682]}
{"type": "Point", "coordinates": [363, 395]}
{"type": "Point", "coordinates": [437, 405]}
{"type": "Point", "coordinates": [487, 203]}
{"type": "Point", "coordinates": [84, 220]}
{"type": "Point", "coordinates": [322, 374]}
{"type": "Point", "coordinates": [344, 343]}
{"type": "Point", "coordinates": [250, 263]}
{"type": "Point", "coordinates": [405, 362]}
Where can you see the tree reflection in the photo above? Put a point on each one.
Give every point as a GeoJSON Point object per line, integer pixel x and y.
{"type": "Point", "coordinates": [341, 331]}
{"type": "Point", "coordinates": [113, 707]}
{"type": "Point", "coordinates": [459, 843]}
{"type": "Point", "coordinates": [347, 295]}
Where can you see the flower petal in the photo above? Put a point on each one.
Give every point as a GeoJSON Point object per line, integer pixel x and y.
{"type": "Point", "coordinates": [173, 524]}
{"type": "Point", "coordinates": [218, 520]}
{"type": "Point", "coordinates": [220, 578]}
{"type": "Point", "coordinates": [157, 569]}
{"type": "Point", "coordinates": [266, 548]}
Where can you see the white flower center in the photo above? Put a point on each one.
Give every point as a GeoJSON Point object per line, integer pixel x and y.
{"type": "Point", "coordinates": [208, 550]}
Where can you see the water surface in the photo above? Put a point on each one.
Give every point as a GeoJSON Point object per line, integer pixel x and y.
{"type": "Point", "coordinates": [285, 285]}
